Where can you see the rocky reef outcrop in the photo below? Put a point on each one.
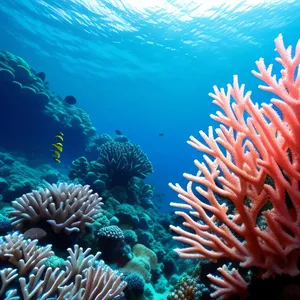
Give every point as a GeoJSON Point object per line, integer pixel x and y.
{"type": "Point", "coordinates": [31, 115]}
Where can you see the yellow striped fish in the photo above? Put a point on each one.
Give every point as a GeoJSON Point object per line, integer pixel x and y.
{"type": "Point", "coordinates": [58, 147]}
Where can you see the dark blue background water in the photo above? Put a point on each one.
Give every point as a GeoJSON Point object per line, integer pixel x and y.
{"type": "Point", "coordinates": [146, 66]}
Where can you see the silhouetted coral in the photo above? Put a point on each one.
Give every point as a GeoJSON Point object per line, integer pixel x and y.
{"type": "Point", "coordinates": [135, 285]}
{"type": "Point", "coordinates": [124, 161]}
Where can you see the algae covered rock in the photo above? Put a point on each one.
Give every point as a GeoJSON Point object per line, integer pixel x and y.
{"type": "Point", "coordinates": [18, 176]}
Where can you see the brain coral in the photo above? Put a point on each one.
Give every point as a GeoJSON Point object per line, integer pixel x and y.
{"type": "Point", "coordinates": [112, 232]}
{"type": "Point", "coordinates": [143, 262]}
{"type": "Point", "coordinates": [135, 285]}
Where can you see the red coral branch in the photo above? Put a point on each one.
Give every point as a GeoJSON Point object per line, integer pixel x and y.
{"type": "Point", "coordinates": [253, 162]}
{"type": "Point", "coordinates": [232, 283]}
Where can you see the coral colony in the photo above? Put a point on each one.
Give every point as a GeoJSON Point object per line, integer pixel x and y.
{"type": "Point", "coordinates": [254, 164]}
{"type": "Point", "coordinates": [97, 233]}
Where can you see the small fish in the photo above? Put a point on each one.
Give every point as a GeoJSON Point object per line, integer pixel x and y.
{"type": "Point", "coordinates": [161, 134]}
{"type": "Point", "coordinates": [71, 100]}
{"type": "Point", "coordinates": [58, 146]}
{"type": "Point", "coordinates": [118, 132]}
{"type": "Point", "coordinates": [56, 153]}
{"type": "Point", "coordinates": [60, 136]}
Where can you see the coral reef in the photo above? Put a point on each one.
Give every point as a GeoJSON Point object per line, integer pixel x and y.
{"type": "Point", "coordinates": [118, 231]}
{"type": "Point", "coordinates": [112, 245]}
{"type": "Point", "coordinates": [142, 263]}
{"type": "Point", "coordinates": [54, 212]}
{"type": "Point", "coordinates": [23, 254]}
{"type": "Point", "coordinates": [84, 276]}
{"type": "Point", "coordinates": [25, 96]}
{"type": "Point", "coordinates": [253, 165]}
{"type": "Point", "coordinates": [118, 164]}
{"type": "Point", "coordinates": [18, 176]}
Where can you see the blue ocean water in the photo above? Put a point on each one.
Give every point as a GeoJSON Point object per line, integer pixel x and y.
{"type": "Point", "coordinates": [146, 67]}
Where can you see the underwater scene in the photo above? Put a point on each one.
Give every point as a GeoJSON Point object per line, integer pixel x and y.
{"type": "Point", "coordinates": [149, 149]}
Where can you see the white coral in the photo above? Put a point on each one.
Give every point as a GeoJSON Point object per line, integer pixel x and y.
{"type": "Point", "coordinates": [81, 280]}
{"type": "Point", "coordinates": [101, 283]}
{"type": "Point", "coordinates": [7, 276]}
{"type": "Point", "coordinates": [23, 254]}
{"type": "Point", "coordinates": [65, 207]}
{"type": "Point", "coordinates": [84, 278]}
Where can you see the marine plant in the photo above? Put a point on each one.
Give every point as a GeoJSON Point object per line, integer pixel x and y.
{"type": "Point", "coordinates": [253, 161]}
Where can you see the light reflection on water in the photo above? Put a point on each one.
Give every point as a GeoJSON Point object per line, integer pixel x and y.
{"type": "Point", "coordinates": [129, 37]}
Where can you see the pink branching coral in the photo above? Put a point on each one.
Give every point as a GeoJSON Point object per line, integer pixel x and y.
{"type": "Point", "coordinates": [66, 207]}
{"type": "Point", "coordinates": [232, 283]}
{"type": "Point", "coordinates": [253, 163]}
